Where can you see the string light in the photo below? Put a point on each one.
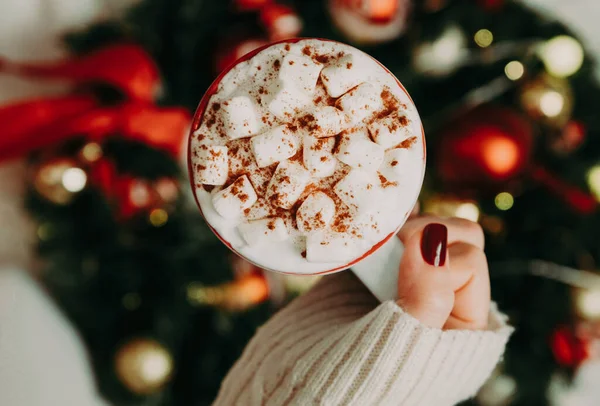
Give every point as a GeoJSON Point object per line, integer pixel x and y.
{"type": "Point", "coordinates": [514, 70]}
{"type": "Point", "coordinates": [91, 152]}
{"type": "Point", "coordinates": [593, 178]}
{"type": "Point", "coordinates": [158, 217]}
{"type": "Point", "coordinates": [504, 201]}
{"type": "Point", "coordinates": [467, 211]}
{"type": "Point", "coordinates": [587, 303]}
{"type": "Point", "coordinates": [484, 38]}
{"type": "Point", "coordinates": [552, 103]}
{"type": "Point", "coordinates": [74, 179]}
{"type": "Point", "coordinates": [562, 56]}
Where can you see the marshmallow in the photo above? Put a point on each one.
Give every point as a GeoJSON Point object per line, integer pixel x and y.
{"type": "Point", "coordinates": [359, 191]}
{"type": "Point", "coordinates": [358, 151]}
{"type": "Point", "coordinates": [287, 184]}
{"type": "Point", "coordinates": [391, 130]}
{"type": "Point", "coordinates": [395, 164]}
{"type": "Point", "coordinates": [287, 99]}
{"type": "Point", "coordinates": [300, 71]}
{"type": "Point", "coordinates": [240, 117]}
{"type": "Point", "coordinates": [273, 146]}
{"type": "Point", "coordinates": [332, 247]}
{"type": "Point", "coordinates": [361, 102]}
{"type": "Point", "coordinates": [259, 210]}
{"type": "Point", "coordinates": [317, 155]}
{"type": "Point", "coordinates": [212, 164]}
{"type": "Point", "coordinates": [326, 121]}
{"type": "Point", "coordinates": [315, 213]}
{"type": "Point", "coordinates": [342, 75]}
{"type": "Point", "coordinates": [233, 200]}
{"type": "Point", "coordinates": [263, 231]}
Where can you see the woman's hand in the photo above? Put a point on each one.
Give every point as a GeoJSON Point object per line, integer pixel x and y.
{"type": "Point", "coordinates": [444, 280]}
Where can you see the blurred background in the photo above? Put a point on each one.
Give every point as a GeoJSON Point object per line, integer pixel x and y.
{"type": "Point", "coordinates": [112, 289]}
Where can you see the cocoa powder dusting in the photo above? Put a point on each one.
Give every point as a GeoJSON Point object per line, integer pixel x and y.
{"type": "Point", "coordinates": [287, 47]}
{"type": "Point", "coordinates": [307, 51]}
{"type": "Point", "coordinates": [271, 225]}
{"type": "Point", "coordinates": [394, 163]}
{"type": "Point", "coordinates": [322, 58]}
{"type": "Point", "coordinates": [303, 253]}
{"type": "Point", "coordinates": [407, 143]}
{"type": "Point", "coordinates": [277, 64]}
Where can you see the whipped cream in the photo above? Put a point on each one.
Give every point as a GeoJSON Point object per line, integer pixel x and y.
{"type": "Point", "coordinates": [307, 156]}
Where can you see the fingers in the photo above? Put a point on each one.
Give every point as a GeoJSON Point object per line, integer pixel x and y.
{"type": "Point", "coordinates": [471, 286]}
{"type": "Point", "coordinates": [450, 294]}
{"type": "Point", "coordinates": [459, 230]}
{"type": "Point", "coordinates": [423, 288]}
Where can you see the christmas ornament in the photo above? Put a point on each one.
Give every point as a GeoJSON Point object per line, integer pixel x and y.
{"type": "Point", "coordinates": [443, 55]}
{"type": "Point", "coordinates": [143, 366]}
{"type": "Point", "coordinates": [234, 48]}
{"type": "Point", "coordinates": [586, 303]}
{"type": "Point", "coordinates": [569, 350]}
{"type": "Point", "coordinates": [126, 67]}
{"type": "Point", "coordinates": [131, 196]}
{"type": "Point", "coordinates": [548, 99]}
{"type": "Point", "coordinates": [59, 180]}
{"type": "Point", "coordinates": [22, 122]}
{"type": "Point", "coordinates": [484, 148]}
{"type": "Point", "coordinates": [241, 294]}
{"type": "Point", "coordinates": [280, 21]}
{"type": "Point", "coordinates": [570, 138]}
{"type": "Point", "coordinates": [370, 21]}
{"type": "Point", "coordinates": [562, 56]}
{"type": "Point", "coordinates": [251, 5]}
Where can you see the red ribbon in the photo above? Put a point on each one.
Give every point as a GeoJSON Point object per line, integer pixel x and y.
{"type": "Point", "coordinates": [126, 67]}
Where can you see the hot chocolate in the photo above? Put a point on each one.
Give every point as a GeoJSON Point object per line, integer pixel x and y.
{"type": "Point", "coordinates": [307, 156]}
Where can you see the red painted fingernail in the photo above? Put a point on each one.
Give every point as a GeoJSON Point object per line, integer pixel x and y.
{"type": "Point", "coordinates": [434, 243]}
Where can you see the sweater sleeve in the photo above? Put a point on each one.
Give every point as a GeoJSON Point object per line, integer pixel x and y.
{"type": "Point", "coordinates": [336, 345]}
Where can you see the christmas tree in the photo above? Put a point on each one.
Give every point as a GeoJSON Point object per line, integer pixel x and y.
{"type": "Point", "coordinates": [508, 101]}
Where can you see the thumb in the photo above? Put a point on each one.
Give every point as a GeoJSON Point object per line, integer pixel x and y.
{"type": "Point", "coordinates": [424, 289]}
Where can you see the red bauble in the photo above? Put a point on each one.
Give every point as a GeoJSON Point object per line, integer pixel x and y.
{"type": "Point", "coordinates": [483, 148]}
{"type": "Point", "coordinates": [569, 350]}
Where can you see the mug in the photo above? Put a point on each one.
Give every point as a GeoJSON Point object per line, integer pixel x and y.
{"type": "Point", "coordinates": [378, 268]}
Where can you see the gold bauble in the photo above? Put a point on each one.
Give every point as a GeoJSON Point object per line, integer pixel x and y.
{"type": "Point", "coordinates": [548, 99]}
{"type": "Point", "coordinates": [59, 180]}
{"type": "Point", "coordinates": [144, 366]}
{"type": "Point", "coordinates": [586, 303]}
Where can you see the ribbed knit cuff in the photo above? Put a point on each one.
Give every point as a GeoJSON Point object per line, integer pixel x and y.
{"type": "Point", "coordinates": [426, 366]}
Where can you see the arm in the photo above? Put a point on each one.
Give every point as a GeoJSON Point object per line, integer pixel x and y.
{"type": "Point", "coordinates": [337, 345]}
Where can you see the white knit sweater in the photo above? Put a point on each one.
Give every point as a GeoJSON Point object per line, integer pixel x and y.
{"type": "Point", "coordinates": [336, 345]}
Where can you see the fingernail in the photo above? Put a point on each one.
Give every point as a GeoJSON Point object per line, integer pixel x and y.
{"type": "Point", "coordinates": [434, 243]}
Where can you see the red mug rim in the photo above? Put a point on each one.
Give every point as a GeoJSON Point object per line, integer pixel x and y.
{"type": "Point", "coordinates": [197, 120]}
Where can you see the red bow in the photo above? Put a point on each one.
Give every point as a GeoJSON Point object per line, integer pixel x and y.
{"type": "Point", "coordinates": [32, 125]}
